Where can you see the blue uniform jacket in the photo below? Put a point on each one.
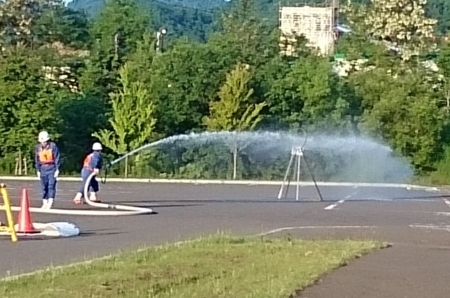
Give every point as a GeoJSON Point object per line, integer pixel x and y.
{"type": "Point", "coordinates": [93, 161]}
{"type": "Point", "coordinates": [47, 159]}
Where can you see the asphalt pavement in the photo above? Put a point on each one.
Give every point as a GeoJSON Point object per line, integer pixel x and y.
{"type": "Point", "coordinates": [416, 222]}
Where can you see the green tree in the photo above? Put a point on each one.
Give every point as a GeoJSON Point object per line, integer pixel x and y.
{"type": "Point", "coordinates": [119, 27]}
{"type": "Point", "coordinates": [439, 10]}
{"type": "Point", "coordinates": [244, 36]}
{"type": "Point", "coordinates": [234, 110]}
{"type": "Point", "coordinates": [443, 62]}
{"type": "Point", "coordinates": [183, 80]}
{"type": "Point", "coordinates": [115, 34]}
{"type": "Point", "coordinates": [17, 18]}
{"type": "Point", "coordinates": [60, 24]}
{"type": "Point", "coordinates": [27, 102]}
{"type": "Point", "coordinates": [132, 118]}
{"type": "Point", "coordinates": [402, 22]}
{"type": "Point", "coordinates": [404, 112]}
{"type": "Point", "coordinates": [141, 62]}
{"type": "Point", "coordinates": [307, 94]}
{"type": "Point", "coordinates": [29, 22]}
{"type": "Point", "coordinates": [81, 116]}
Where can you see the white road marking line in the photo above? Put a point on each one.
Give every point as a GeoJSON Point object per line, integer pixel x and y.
{"type": "Point", "coordinates": [431, 227]}
{"type": "Point", "coordinates": [401, 200]}
{"type": "Point", "coordinates": [330, 207]}
{"type": "Point", "coordinates": [433, 189]}
{"type": "Point", "coordinates": [447, 202]}
{"type": "Point", "coordinates": [417, 200]}
{"type": "Point", "coordinates": [314, 227]}
{"type": "Point", "coordinates": [442, 213]}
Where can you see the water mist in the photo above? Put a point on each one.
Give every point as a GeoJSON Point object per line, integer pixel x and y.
{"type": "Point", "coordinates": [340, 158]}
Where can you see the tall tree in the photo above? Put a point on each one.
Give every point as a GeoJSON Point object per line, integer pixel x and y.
{"type": "Point", "coordinates": [404, 112]}
{"type": "Point", "coordinates": [244, 35]}
{"type": "Point", "coordinates": [58, 23]}
{"type": "Point", "coordinates": [402, 22]}
{"type": "Point", "coordinates": [115, 34]}
{"type": "Point", "coordinates": [132, 118]}
{"type": "Point", "coordinates": [306, 93]}
{"type": "Point", "coordinates": [119, 27]}
{"type": "Point", "coordinates": [234, 110]}
{"type": "Point", "coordinates": [183, 80]}
{"type": "Point", "coordinates": [141, 62]}
{"type": "Point", "coordinates": [439, 10]}
{"type": "Point", "coordinates": [443, 62]}
{"type": "Point", "coordinates": [27, 101]}
{"type": "Point", "coordinates": [20, 20]}
{"type": "Point", "coordinates": [81, 116]}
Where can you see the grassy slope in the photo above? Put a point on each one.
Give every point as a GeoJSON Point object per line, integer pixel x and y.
{"type": "Point", "coordinates": [219, 266]}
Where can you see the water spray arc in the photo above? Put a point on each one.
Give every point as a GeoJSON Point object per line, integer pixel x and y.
{"type": "Point", "coordinates": [297, 153]}
{"type": "Point", "coordinates": [353, 154]}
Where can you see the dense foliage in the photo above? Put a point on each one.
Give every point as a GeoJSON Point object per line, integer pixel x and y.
{"type": "Point", "coordinates": [100, 76]}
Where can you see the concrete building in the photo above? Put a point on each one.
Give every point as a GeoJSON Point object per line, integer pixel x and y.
{"type": "Point", "coordinates": [316, 23]}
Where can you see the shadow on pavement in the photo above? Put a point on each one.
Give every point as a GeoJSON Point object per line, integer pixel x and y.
{"type": "Point", "coordinates": [93, 233]}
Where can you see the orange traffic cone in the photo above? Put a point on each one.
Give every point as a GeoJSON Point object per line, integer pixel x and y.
{"type": "Point", "coordinates": [25, 222]}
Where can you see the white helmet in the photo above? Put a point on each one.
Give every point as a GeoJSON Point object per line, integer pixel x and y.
{"type": "Point", "coordinates": [43, 136]}
{"type": "Point", "coordinates": [97, 146]}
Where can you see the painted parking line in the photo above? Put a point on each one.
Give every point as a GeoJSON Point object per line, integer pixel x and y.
{"type": "Point", "coordinates": [442, 213]}
{"type": "Point", "coordinates": [431, 227]}
{"type": "Point", "coordinates": [332, 206]}
{"type": "Point", "coordinates": [447, 202]}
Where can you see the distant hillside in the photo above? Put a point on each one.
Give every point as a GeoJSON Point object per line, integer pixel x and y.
{"type": "Point", "coordinates": [201, 4]}
{"type": "Point", "coordinates": [192, 18]}
{"type": "Point", "coordinates": [93, 7]}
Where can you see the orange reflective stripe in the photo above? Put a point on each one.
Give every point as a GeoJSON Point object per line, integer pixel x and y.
{"type": "Point", "coordinates": [87, 161]}
{"type": "Point", "coordinates": [46, 156]}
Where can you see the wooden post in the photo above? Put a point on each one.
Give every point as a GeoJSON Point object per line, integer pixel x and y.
{"type": "Point", "coordinates": [25, 168]}
{"type": "Point", "coordinates": [16, 169]}
{"type": "Point", "coordinates": [20, 162]}
{"type": "Point", "coordinates": [126, 167]}
{"type": "Point", "coordinates": [235, 153]}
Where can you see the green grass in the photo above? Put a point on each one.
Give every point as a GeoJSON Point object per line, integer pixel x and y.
{"type": "Point", "coordinates": [217, 266]}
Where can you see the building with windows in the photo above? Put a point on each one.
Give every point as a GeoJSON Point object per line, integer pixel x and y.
{"type": "Point", "coordinates": [315, 23]}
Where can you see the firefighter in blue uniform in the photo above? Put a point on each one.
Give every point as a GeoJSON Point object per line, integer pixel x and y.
{"type": "Point", "coordinates": [47, 162]}
{"type": "Point", "coordinates": [92, 164]}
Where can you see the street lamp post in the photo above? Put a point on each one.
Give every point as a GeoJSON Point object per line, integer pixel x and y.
{"type": "Point", "coordinates": [160, 39]}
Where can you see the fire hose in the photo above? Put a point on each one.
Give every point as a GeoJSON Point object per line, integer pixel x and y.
{"type": "Point", "coordinates": [117, 210]}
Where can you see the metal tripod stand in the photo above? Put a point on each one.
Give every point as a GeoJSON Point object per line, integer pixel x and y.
{"type": "Point", "coordinates": [297, 153]}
